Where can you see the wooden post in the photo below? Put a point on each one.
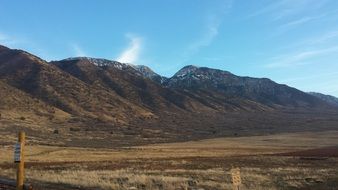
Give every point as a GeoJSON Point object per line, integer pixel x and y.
{"type": "Point", "coordinates": [20, 176]}
{"type": "Point", "coordinates": [236, 178]}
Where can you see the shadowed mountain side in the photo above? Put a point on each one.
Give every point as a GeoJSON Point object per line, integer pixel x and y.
{"type": "Point", "coordinates": [327, 98]}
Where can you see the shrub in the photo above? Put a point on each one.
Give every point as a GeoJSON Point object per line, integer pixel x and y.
{"type": "Point", "coordinates": [74, 129]}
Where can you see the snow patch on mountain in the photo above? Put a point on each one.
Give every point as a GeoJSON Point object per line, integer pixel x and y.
{"type": "Point", "coordinates": [140, 70]}
{"type": "Point", "coordinates": [148, 73]}
{"type": "Point", "coordinates": [186, 71]}
{"type": "Point", "coordinates": [103, 62]}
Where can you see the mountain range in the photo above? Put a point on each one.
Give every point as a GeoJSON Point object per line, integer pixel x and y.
{"type": "Point", "coordinates": [98, 102]}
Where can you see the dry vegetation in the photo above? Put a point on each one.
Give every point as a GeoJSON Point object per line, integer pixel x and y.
{"type": "Point", "coordinates": [189, 165]}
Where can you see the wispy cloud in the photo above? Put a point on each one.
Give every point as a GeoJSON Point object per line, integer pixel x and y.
{"type": "Point", "coordinates": [327, 37]}
{"type": "Point", "coordinates": [267, 9]}
{"type": "Point", "coordinates": [300, 58]}
{"type": "Point", "coordinates": [294, 24]}
{"type": "Point", "coordinates": [282, 9]}
{"type": "Point", "coordinates": [78, 51]}
{"type": "Point", "coordinates": [324, 39]}
{"type": "Point", "coordinates": [210, 34]}
{"type": "Point", "coordinates": [211, 31]}
{"type": "Point", "coordinates": [299, 21]}
{"type": "Point", "coordinates": [132, 52]}
{"type": "Point", "coordinates": [286, 15]}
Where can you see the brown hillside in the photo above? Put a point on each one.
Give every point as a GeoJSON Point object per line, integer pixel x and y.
{"type": "Point", "coordinates": [129, 84]}
{"type": "Point", "coordinates": [18, 105]}
{"type": "Point", "coordinates": [61, 90]}
{"type": "Point", "coordinates": [101, 103]}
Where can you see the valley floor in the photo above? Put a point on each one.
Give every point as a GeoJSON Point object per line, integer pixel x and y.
{"type": "Point", "coordinates": [280, 161]}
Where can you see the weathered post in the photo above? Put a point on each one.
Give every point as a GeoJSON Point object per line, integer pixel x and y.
{"type": "Point", "coordinates": [19, 159]}
{"type": "Point", "coordinates": [236, 178]}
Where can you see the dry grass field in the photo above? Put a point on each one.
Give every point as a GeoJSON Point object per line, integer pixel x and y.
{"type": "Point", "coordinates": [191, 165]}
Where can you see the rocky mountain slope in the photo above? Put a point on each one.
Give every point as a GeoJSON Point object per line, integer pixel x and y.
{"type": "Point", "coordinates": [223, 86]}
{"type": "Point", "coordinates": [18, 105]}
{"type": "Point", "coordinates": [327, 98]}
{"type": "Point", "coordinates": [98, 102]}
{"type": "Point", "coordinates": [129, 83]}
{"type": "Point", "coordinates": [59, 89]}
{"type": "Point", "coordinates": [148, 73]}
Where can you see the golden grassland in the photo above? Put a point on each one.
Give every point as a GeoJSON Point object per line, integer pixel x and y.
{"type": "Point", "coordinates": [201, 164]}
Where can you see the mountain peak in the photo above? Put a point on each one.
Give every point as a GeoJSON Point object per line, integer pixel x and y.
{"type": "Point", "coordinates": [149, 73]}
{"type": "Point", "coordinates": [195, 70]}
{"type": "Point", "coordinates": [18, 53]}
{"type": "Point", "coordinates": [190, 66]}
{"type": "Point", "coordinates": [186, 70]}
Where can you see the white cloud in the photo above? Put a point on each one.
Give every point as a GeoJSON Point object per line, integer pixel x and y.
{"type": "Point", "coordinates": [79, 52]}
{"type": "Point", "coordinates": [131, 54]}
{"type": "Point", "coordinates": [300, 58]}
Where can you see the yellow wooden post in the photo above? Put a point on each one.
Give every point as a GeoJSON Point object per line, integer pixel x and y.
{"type": "Point", "coordinates": [236, 178]}
{"type": "Point", "coordinates": [20, 176]}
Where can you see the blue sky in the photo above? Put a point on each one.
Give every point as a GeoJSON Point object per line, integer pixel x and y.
{"type": "Point", "coordinates": [293, 42]}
